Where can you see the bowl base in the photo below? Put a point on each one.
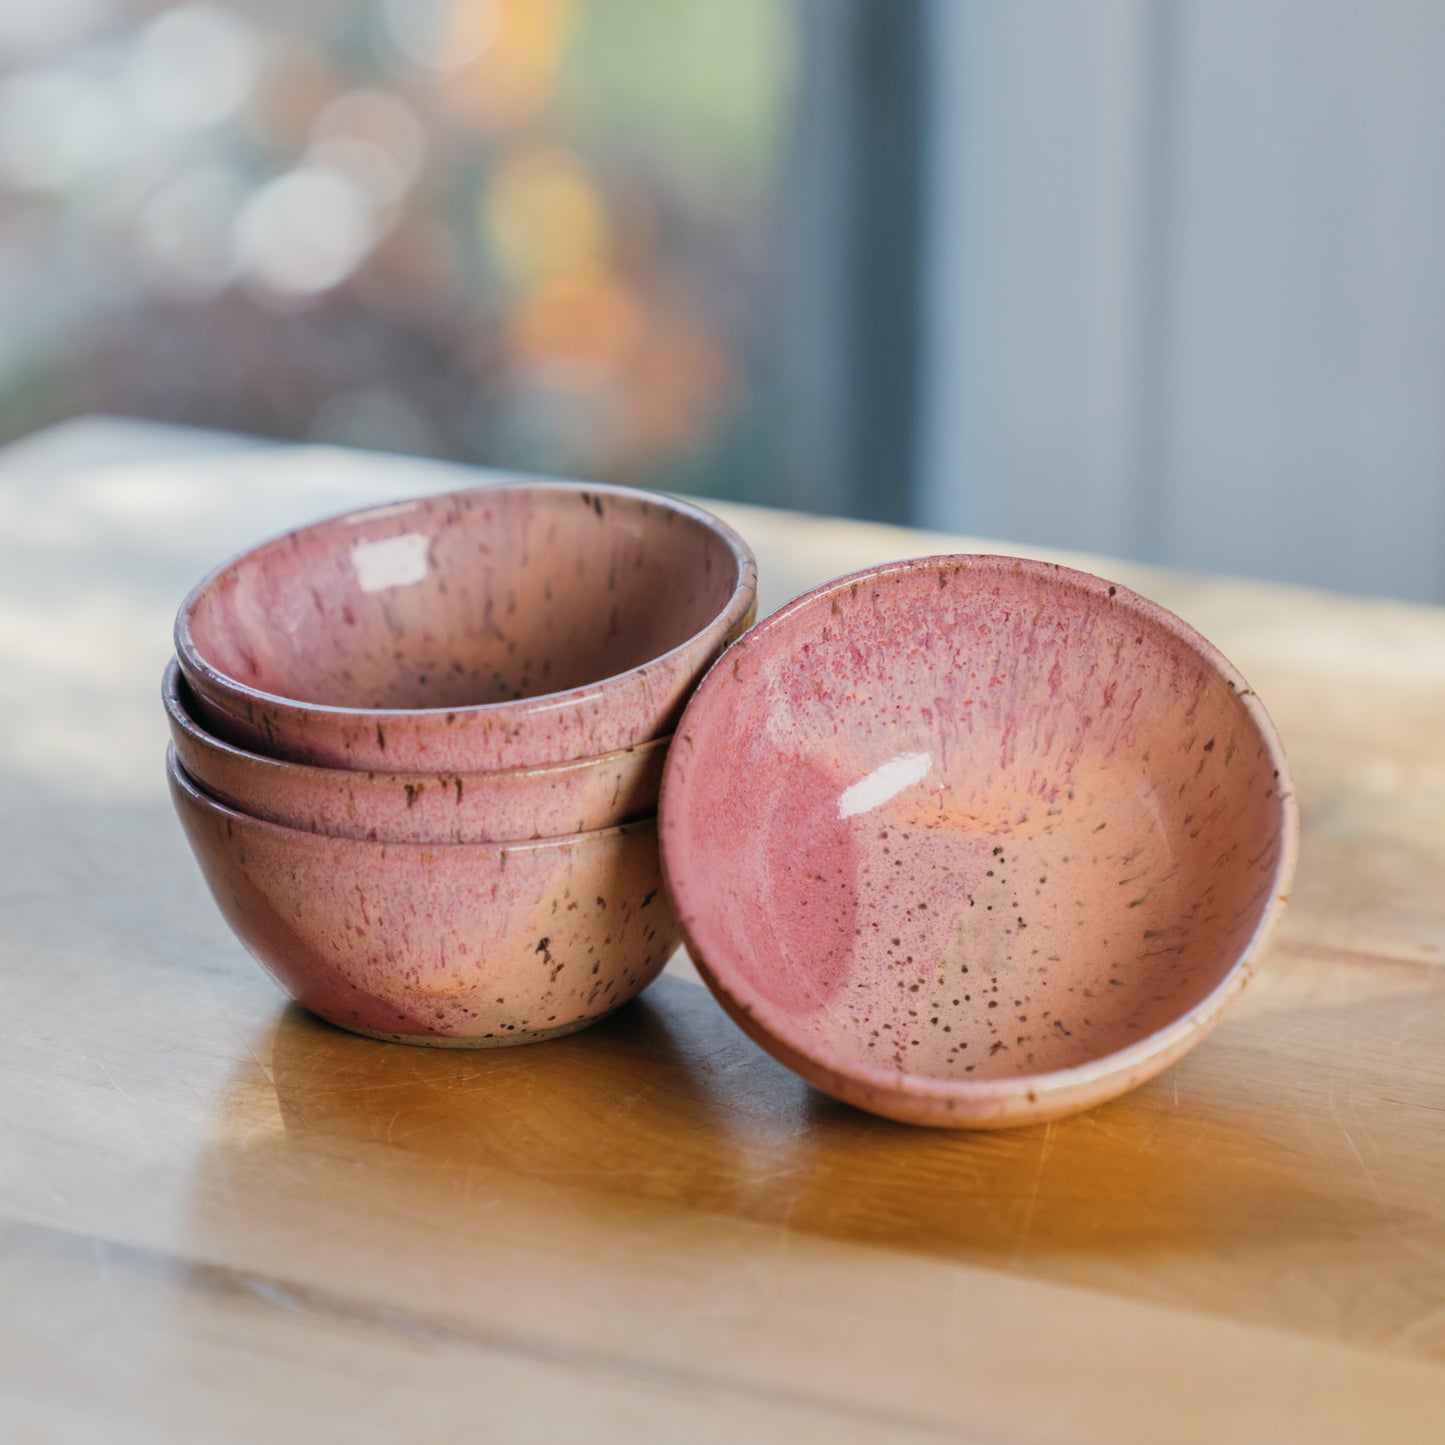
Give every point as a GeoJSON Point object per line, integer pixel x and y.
{"type": "Point", "coordinates": [463, 1041]}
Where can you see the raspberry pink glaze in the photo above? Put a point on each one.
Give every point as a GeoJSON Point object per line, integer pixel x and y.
{"type": "Point", "coordinates": [976, 841]}
{"type": "Point", "coordinates": [498, 807]}
{"type": "Point", "coordinates": [503, 627]}
{"type": "Point", "coordinates": [464, 944]}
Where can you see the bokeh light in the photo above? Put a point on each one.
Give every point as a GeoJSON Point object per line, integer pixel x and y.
{"type": "Point", "coordinates": [183, 231]}
{"type": "Point", "coordinates": [441, 34]}
{"type": "Point", "coordinates": [509, 79]}
{"type": "Point", "coordinates": [28, 32]}
{"type": "Point", "coordinates": [192, 66]}
{"type": "Point", "coordinates": [305, 231]}
{"type": "Point", "coordinates": [543, 214]}
{"type": "Point", "coordinates": [579, 330]}
{"type": "Point", "coordinates": [56, 128]}
{"type": "Point", "coordinates": [374, 138]}
{"type": "Point", "coordinates": [532, 233]}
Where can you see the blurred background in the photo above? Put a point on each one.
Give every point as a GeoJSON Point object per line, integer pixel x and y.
{"type": "Point", "coordinates": [1162, 280]}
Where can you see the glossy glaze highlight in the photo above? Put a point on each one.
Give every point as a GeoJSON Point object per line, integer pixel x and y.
{"type": "Point", "coordinates": [976, 841]}
{"type": "Point", "coordinates": [501, 627]}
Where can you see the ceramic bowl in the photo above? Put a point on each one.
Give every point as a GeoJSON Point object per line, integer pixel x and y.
{"type": "Point", "coordinates": [976, 841]}
{"type": "Point", "coordinates": [500, 807]}
{"type": "Point", "coordinates": [464, 944]}
{"type": "Point", "coordinates": [498, 628]}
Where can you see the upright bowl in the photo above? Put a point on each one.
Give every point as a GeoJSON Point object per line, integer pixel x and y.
{"type": "Point", "coordinates": [507, 806]}
{"type": "Point", "coordinates": [976, 841]}
{"type": "Point", "coordinates": [469, 945]}
{"type": "Point", "coordinates": [497, 628]}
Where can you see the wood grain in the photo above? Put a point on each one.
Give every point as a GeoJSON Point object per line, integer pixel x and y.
{"type": "Point", "coordinates": [221, 1219]}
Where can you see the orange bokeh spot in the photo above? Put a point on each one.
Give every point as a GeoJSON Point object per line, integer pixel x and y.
{"type": "Point", "coordinates": [579, 330]}
{"type": "Point", "coordinates": [680, 385]}
{"type": "Point", "coordinates": [522, 44]}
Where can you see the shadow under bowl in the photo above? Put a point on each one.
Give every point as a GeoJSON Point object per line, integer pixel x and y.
{"type": "Point", "coordinates": [497, 807]}
{"type": "Point", "coordinates": [976, 841]}
{"type": "Point", "coordinates": [473, 945]}
{"type": "Point", "coordinates": [501, 627]}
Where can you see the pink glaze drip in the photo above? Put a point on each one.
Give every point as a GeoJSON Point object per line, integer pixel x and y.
{"type": "Point", "coordinates": [974, 821]}
{"type": "Point", "coordinates": [496, 628]}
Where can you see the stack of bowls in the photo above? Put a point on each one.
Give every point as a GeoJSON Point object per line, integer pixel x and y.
{"type": "Point", "coordinates": [417, 750]}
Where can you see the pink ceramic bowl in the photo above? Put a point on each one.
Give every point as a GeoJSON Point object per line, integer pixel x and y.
{"type": "Point", "coordinates": [499, 628]}
{"type": "Point", "coordinates": [975, 841]}
{"type": "Point", "coordinates": [470, 945]}
{"type": "Point", "coordinates": [500, 807]}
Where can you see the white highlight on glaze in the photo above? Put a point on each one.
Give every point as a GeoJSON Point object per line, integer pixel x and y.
{"type": "Point", "coordinates": [883, 783]}
{"type": "Point", "coordinates": [391, 562]}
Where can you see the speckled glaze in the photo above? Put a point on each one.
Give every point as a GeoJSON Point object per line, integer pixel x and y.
{"type": "Point", "coordinates": [500, 807]}
{"type": "Point", "coordinates": [464, 944]}
{"type": "Point", "coordinates": [503, 627]}
{"type": "Point", "coordinates": [974, 841]}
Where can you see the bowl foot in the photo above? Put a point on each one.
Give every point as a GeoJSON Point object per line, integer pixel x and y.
{"type": "Point", "coordinates": [473, 1041]}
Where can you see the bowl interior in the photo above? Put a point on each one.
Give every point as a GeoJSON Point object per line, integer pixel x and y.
{"type": "Point", "coordinates": [465, 599]}
{"type": "Point", "coordinates": [972, 818]}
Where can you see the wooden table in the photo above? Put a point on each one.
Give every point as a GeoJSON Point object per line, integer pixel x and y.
{"type": "Point", "coordinates": [222, 1220]}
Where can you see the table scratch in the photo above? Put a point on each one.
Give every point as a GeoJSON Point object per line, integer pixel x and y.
{"type": "Point", "coordinates": [1028, 1221]}
{"type": "Point", "coordinates": [115, 1083]}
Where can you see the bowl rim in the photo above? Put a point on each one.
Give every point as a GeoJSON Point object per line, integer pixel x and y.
{"type": "Point", "coordinates": [743, 595]}
{"type": "Point", "coordinates": [197, 797]}
{"type": "Point", "coordinates": [768, 1025]}
{"type": "Point", "coordinates": [173, 681]}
